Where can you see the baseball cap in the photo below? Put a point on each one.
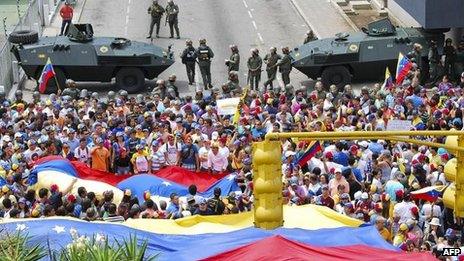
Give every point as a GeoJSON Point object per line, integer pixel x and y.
{"type": "Point", "coordinates": [214, 135]}
{"type": "Point", "coordinates": [364, 195]}
{"type": "Point", "coordinates": [289, 153]}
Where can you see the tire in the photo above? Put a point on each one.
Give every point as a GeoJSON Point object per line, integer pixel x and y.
{"type": "Point", "coordinates": [52, 87]}
{"type": "Point", "coordinates": [131, 79]}
{"type": "Point", "coordinates": [23, 37]}
{"type": "Point", "coordinates": [338, 75]}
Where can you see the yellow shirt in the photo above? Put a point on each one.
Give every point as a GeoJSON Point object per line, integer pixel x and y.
{"type": "Point", "coordinates": [386, 234]}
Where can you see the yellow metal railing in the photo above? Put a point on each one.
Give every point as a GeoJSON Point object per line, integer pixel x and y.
{"type": "Point", "coordinates": [267, 166]}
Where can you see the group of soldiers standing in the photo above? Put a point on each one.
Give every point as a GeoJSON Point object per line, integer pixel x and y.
{"type": "Point", "coordinates": [203, 55]}
{"type": "Point", "coordinates": [156, 11]}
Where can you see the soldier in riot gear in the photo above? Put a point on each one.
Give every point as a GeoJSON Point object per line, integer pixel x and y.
{"type": "Point", "coordinates": [172, 85]}
{"type": "Point", "coordinates": [285, 65]}
{"type": "Point", "coordinates": [289, 91]}
{"type": "Point", "coordinates": [83, 94]}
{"type": "Point", "coordinates": [172, 10]}
{"type": "Point", "coordinates": [19, 98]}
{"type": "Point", "coordinates": [232, 84]}
{"type": "Point", "coordinates": [160, 89]}
{"type": "Point", "coordinates": [434, 61]}
{"type": "Point", "coordinates": [309, 37]}
{"type": "Point", "coordinates": [204, 56]}
{"type": "Point", "coordinates": [189, 57]}
{"type": "Point", "coordinates": [450, 58]}
{"type": "Point", "coordinates": [2, 96]}
{"type": "Point", "coordinates": [139, 98]}
{"type": "Point", "coordinates": [156, 11]}
{"type": "Point", "coordinates": [271, 60]}
{"type": "Point", "coordinates": [111, 96]}
{"type": "Point", "coordinates": [254, 69]}
{"type": "Point", "coordinates": [71, 89]}
{"type": "Point", "coordinates": [233, 63]}
{"type": "Point", "coordinates": [36, 97]}
{"type": "Point", "coordinates": [95, 95]}
{"type": "Point", "coordinates": [124, 95]}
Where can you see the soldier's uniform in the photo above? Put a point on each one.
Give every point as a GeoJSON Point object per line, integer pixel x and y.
{"type": "Point", "coordinates": [204, 56]}
{"type": "Point", "coordinates": [271, 60]}
{"type": "Point", "coordinates": [233, 63]}
{"type": "Point", "coordinates": [189, 57]}
{"type": "Point", "coordinates": [172, 10]}
{"type": "Point", "coordinates": [254, 70]}
{"type": "Point", "coordinates": [309, 37]}
{"type": "Point", "coordinates": [156, 11]}
{"type": "Point", "coordinates": [285, 66]}
{"type": "Point", "coordinates": [450, 58]}
{"type": "Point", "coordinates": [172, 89]}
{"type": "Point", "coordinates": [434, 60]}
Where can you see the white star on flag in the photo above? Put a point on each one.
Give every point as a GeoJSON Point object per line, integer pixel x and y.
{"type": "Point", "coordinates": [59, 229]}
{"type": "Point", "coordinates": [231, 176]}
{"type": "Point", "coordinates": [166, 183]}
{"type": "Point", "coordinates": [21, 227]}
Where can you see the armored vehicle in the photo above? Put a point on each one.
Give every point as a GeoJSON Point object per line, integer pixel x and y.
{"type": "Point", "coordinates": [82, 57]}
{"type": "Point", "coordinates": [361, 55]}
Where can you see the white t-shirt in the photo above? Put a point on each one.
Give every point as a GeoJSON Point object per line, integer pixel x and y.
{"type": "Point", "coordinates": [203, 152]}
{"type": "Point", "coordinates": [171, 153]}
{"type": "Point", "coordinates": [82, 155]}
{"type": "Point", "coordinates": [403, 210]}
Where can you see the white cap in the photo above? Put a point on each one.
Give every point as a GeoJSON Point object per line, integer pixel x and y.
{"type": "Point", "coordinates": [214, 135]}
{"type": "Point", "coordinates": [17, 135]}
{"type": "Point", "coordinates": [357, 195]}
{"type": "Point", "coordinates": [289, 153]}
{"type": "Point", "coordinates": [338, 170]}
{"type": "Point", "coordinates": [364, 195]}
{"type": "Point", "coordinates": [6, 138]}
{"type": "Point", "coordinates": [86, 117]}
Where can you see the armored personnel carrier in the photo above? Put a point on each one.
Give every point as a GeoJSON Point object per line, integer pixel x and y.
{"type": "Point", "coordinates": [362, 55]}
{"type": "Point", "coordinates": [82, 57]}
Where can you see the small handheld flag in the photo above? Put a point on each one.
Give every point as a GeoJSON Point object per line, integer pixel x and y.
{"type": "Point", "coordinates": [388, 82]}
{"type": "Point", "coordinates": [47, 74]}
{"type": "Point", "coordinates": [313, 148]}
{"type": "Point", "coordinates": [236, 117]}
{"type": "Point", "coordinates": [402, 68]}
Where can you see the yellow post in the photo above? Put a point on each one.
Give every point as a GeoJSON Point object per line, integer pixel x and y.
{"type": "Point", "coordinates": [267, 184]}
{"type": "Point", "coordinates": [459, 180]}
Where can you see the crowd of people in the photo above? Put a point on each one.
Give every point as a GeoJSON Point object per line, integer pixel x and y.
{"type": "Point", "coordinates": [370, 180]}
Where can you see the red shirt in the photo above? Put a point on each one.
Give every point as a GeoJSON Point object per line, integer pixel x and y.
{"type": "Point", "coordinates": [66, 12]}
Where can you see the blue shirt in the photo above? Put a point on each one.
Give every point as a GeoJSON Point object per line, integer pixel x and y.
{"type": "Point", "coordinates": [391, 187]}
{"type": "Point", "coordinates": [341, 158]}
{"type": "Point", "coordinates": [375, 147]}
{"type": "Point", "coordinates": [174, 210]}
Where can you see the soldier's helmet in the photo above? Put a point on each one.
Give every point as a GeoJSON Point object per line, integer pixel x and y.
{"type": "Point", "coordinates": [70, 83]}
{"type": "Point", "coordinates": [288, 87]}
{"type": "Point", "coordinates": [188, 42]}
{"type": "Point", "coordinates": [36, 95]}
{"type": "Point", "coordinates": [123, 93]}
{"type": "Point", "coordinates": [433, 43]}
{"type": "Point", "coordinates": [273, 49]}
{"type": "Point", "coordinates": [95, 95]}
{"type": "Point", "coordinates": [111, 95]}
{"type": "Point", "coordinates": [83, 93]}
{"type": "Point", "coordinates": [139, 98]}
{"type": "Point", "coordinates": [202, 41]}
{"type": "Point", "coordinates": [285, 49]}
{"type": "Point", "coordinates": [255, 50]}
{"type": "Point", "coordinates": [172, 77]}
{"type": "Point", "coordinates": [19, 95]}
{"type": "Point", "coordinates": [160, 82]}
{"type": "Point", "coordinates": [233, 47]}
{"type": "Point", "coordinates": [449, 40]}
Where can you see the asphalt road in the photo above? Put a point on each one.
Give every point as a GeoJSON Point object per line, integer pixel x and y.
{"type": "Point", "coordinates": [246, 23]}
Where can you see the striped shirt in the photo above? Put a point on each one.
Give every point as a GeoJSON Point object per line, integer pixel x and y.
{"type": "Point", "coordinates": [157, 160]}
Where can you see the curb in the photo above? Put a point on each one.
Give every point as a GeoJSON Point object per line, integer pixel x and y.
{"type": "Point", "coordinates": [342, 13]}
{"type": "Point", "coordinates": [305, 19]}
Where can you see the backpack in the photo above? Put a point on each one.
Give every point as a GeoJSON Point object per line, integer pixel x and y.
{"type": "Point", "coordinates": [189, 56]}
{"type": "Point", "coordinates": [204, 54]}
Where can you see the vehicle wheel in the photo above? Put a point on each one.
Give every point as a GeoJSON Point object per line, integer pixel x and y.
{"type": "Point", "coordinates": [338, 75]}
{"type": "Point", "coordinates": [52, 87]}
{"type": "Point", "coordinates": [130, 79]}
{"type": "Point", "coordinates": [23, 37]}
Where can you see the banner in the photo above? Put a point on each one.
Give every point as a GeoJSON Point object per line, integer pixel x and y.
{"type": "Point", "coordinates": [227, 106]}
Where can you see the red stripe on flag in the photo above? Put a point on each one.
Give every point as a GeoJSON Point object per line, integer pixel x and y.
{"type": "Point", "coordinates": [309, 153]}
